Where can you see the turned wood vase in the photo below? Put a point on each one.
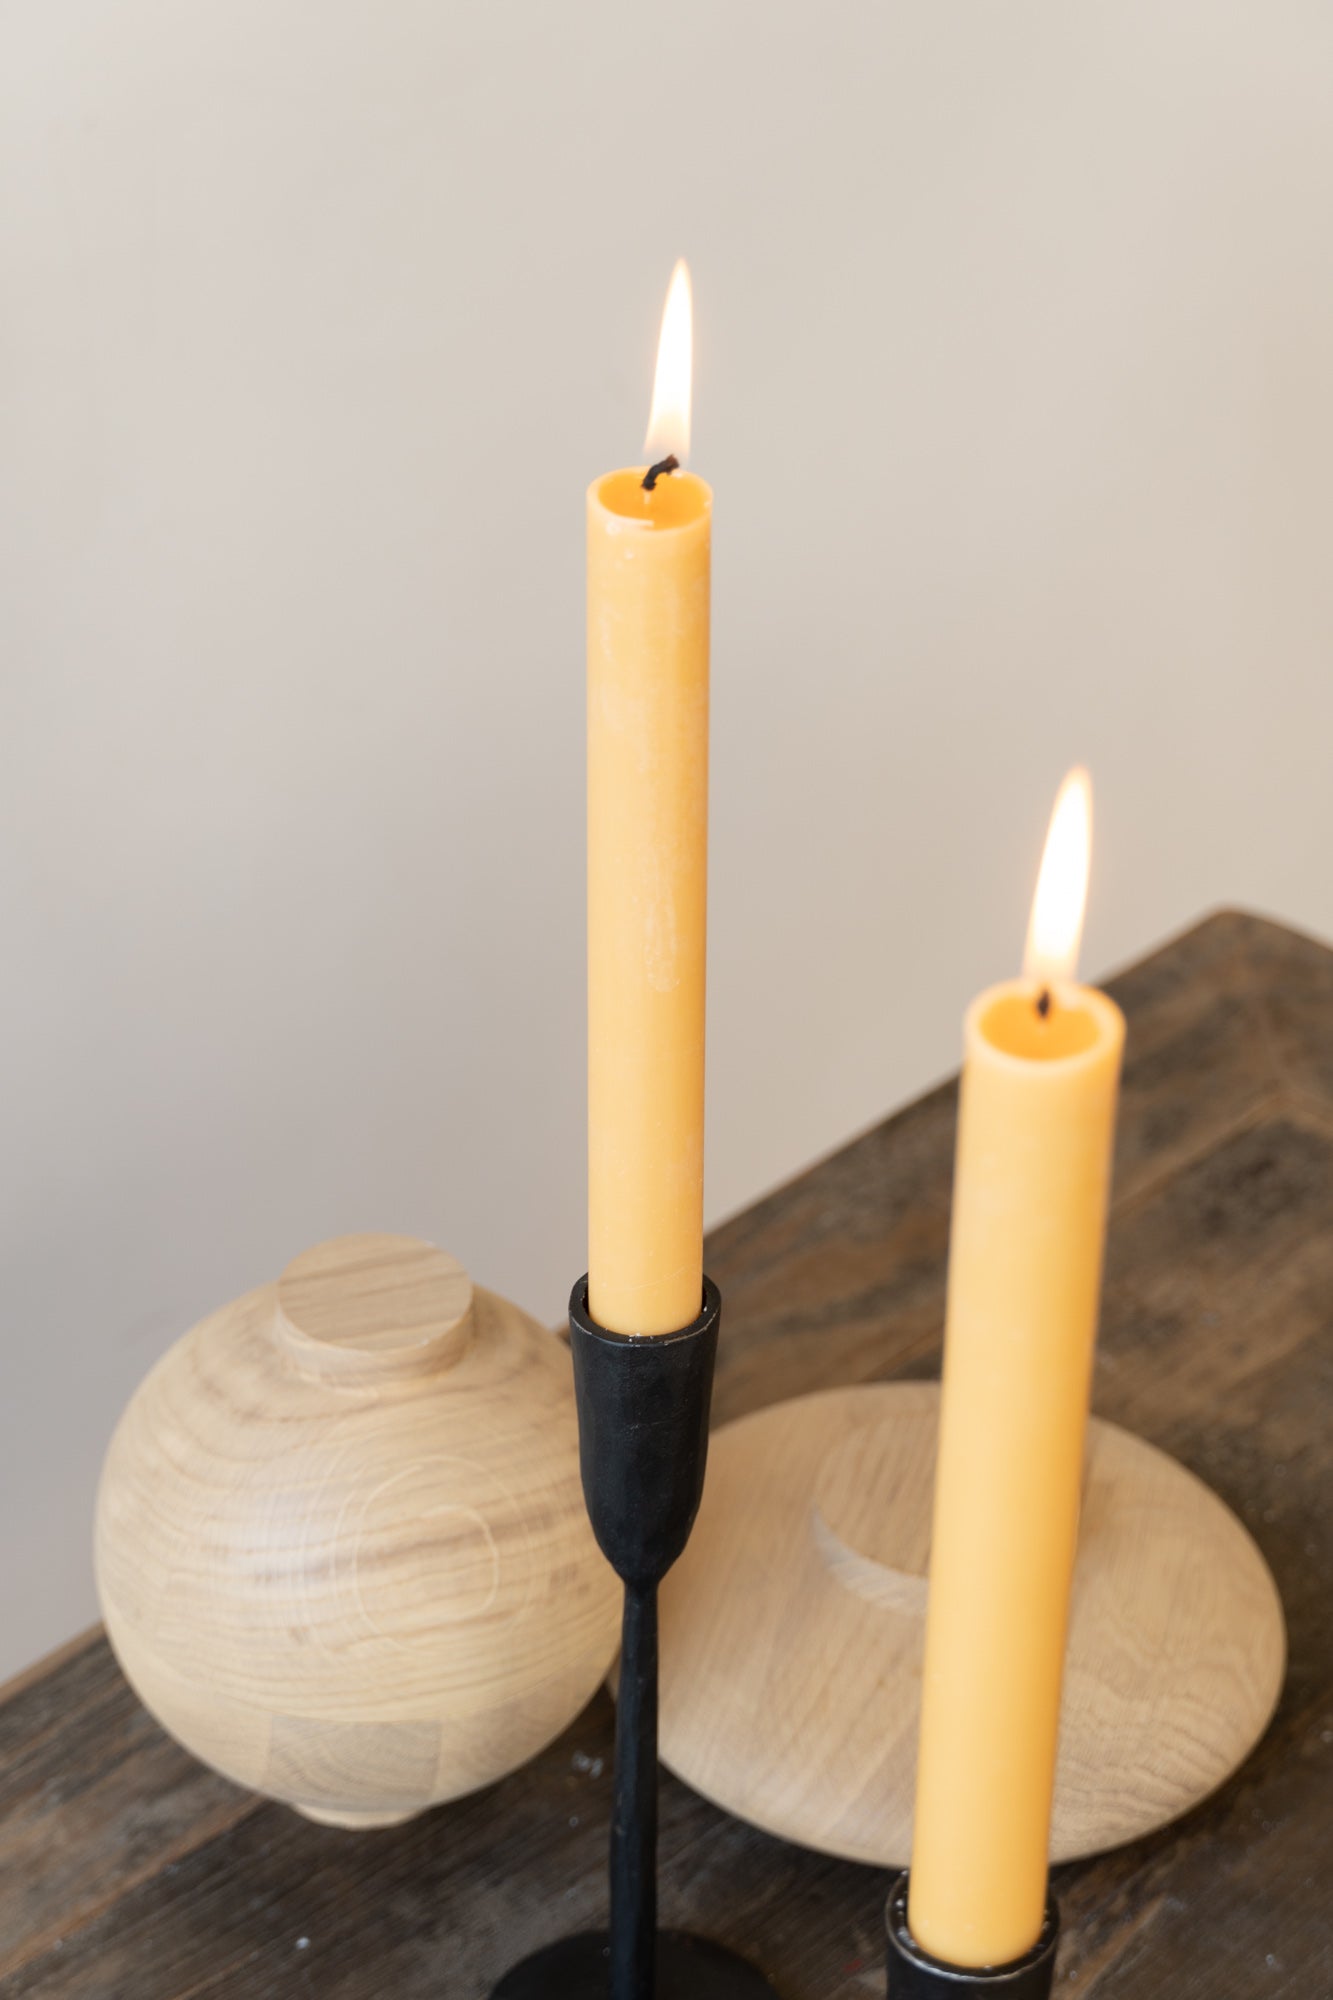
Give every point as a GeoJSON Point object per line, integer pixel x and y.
{"type": "Point", "coordinates": [341, 1544]}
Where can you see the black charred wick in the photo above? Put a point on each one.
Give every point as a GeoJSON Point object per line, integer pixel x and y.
{"type": "Point", "coordinates": [1044, 1002]}
{"type": "Point", "coordinates": [668, 464]}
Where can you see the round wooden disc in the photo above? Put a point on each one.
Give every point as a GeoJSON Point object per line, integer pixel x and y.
{"type": "Point", "coordinates": [792, 1631]}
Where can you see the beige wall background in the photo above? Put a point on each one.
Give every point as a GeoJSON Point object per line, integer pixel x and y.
{"type": "Point", "coordinates": [1015, 343]}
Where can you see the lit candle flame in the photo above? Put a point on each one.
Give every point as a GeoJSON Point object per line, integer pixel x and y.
{"type": "Point", "coordinates": [669, 422]}
{"type": "Point", "coordinates": [1056, 928]}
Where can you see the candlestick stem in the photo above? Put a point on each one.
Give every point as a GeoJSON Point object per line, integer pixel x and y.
{"type": "Point", "coordinates": [634, 1818]}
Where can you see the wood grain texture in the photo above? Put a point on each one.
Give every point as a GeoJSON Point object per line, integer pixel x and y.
{"type": "Point", "coordinates": [793, 1629]}
{"type": "Point", "coordinates": [123, 1878]}
{"type": "Point", "coordinates": [342, 1551]}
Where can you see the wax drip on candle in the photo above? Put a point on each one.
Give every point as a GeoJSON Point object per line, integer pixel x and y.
{"type": "Point", "coordinates": [1044, 1002]}
{"type": "Point", "coordinates": [668, 464]}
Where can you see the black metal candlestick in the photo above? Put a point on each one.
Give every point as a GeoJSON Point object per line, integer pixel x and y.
{"type": "Point", "coordinates": [643, 1403]}
{"type": "Point", "coordinates": [915, 1975]}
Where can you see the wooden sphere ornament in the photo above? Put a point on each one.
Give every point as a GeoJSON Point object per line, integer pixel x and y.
{"type": "Point", "coordinates": [793, 1629]}
{"type": "Point", "coordinates": [341, 1544]}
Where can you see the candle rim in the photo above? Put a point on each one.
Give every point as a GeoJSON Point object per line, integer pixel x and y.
{"type": "Point", "coordinates": [1106, 1016]}
{"type": "Point", "coordinates": [682, 486]}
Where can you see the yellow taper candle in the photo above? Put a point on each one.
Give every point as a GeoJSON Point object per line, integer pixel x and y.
{"type": "Point", "coordinates": [648, 599]}
{"type": "Point", "coordinates": [1036, 1120]}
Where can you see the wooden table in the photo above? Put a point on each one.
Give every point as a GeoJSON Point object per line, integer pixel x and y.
{"type": "Point", "coordinates": [128, 1872]}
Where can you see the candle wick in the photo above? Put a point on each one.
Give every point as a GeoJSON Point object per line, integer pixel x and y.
{"type": "Point", "coordinates": [1044, 1002]}
{"type": "Point", "coordinates": [668, 464]}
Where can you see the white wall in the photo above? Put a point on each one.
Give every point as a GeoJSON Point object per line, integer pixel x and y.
{"type": "Point", "coordinates": [1015, 342]}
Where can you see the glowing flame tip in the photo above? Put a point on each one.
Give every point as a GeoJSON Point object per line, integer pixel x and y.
{"type": "Point", "coordinates": [1056, 928]}
{"type": "Point", "coordinates": [669, 421]}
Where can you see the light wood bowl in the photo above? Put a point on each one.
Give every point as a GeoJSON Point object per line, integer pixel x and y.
{"type": "Point", "coordinates": [341, 1544]}
{"type": "Point", "coordinates": [792, 1631]}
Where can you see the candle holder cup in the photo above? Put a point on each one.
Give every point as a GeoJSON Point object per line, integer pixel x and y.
{"type": "Point", "coordinates": [643, 1405]}
{"type": "Point", "coordinates": [913, 1974]}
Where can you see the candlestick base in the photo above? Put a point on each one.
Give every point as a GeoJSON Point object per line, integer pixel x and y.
{"type": "Point", "coordinates": [687, 1968]}
{"type": "Point", "coordinates": [792, 1631]}
{"type": "Point", "coordinates": [915, 1975]}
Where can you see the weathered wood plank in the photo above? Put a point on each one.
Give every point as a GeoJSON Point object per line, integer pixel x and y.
{"type": "Point", "coordinates": [94, 1799]}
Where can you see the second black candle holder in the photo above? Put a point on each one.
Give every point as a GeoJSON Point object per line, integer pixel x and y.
{"type": "Point", "coordinates": [915, 1975]}
{"type": "Point", "coordinates": [643, 1405]}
